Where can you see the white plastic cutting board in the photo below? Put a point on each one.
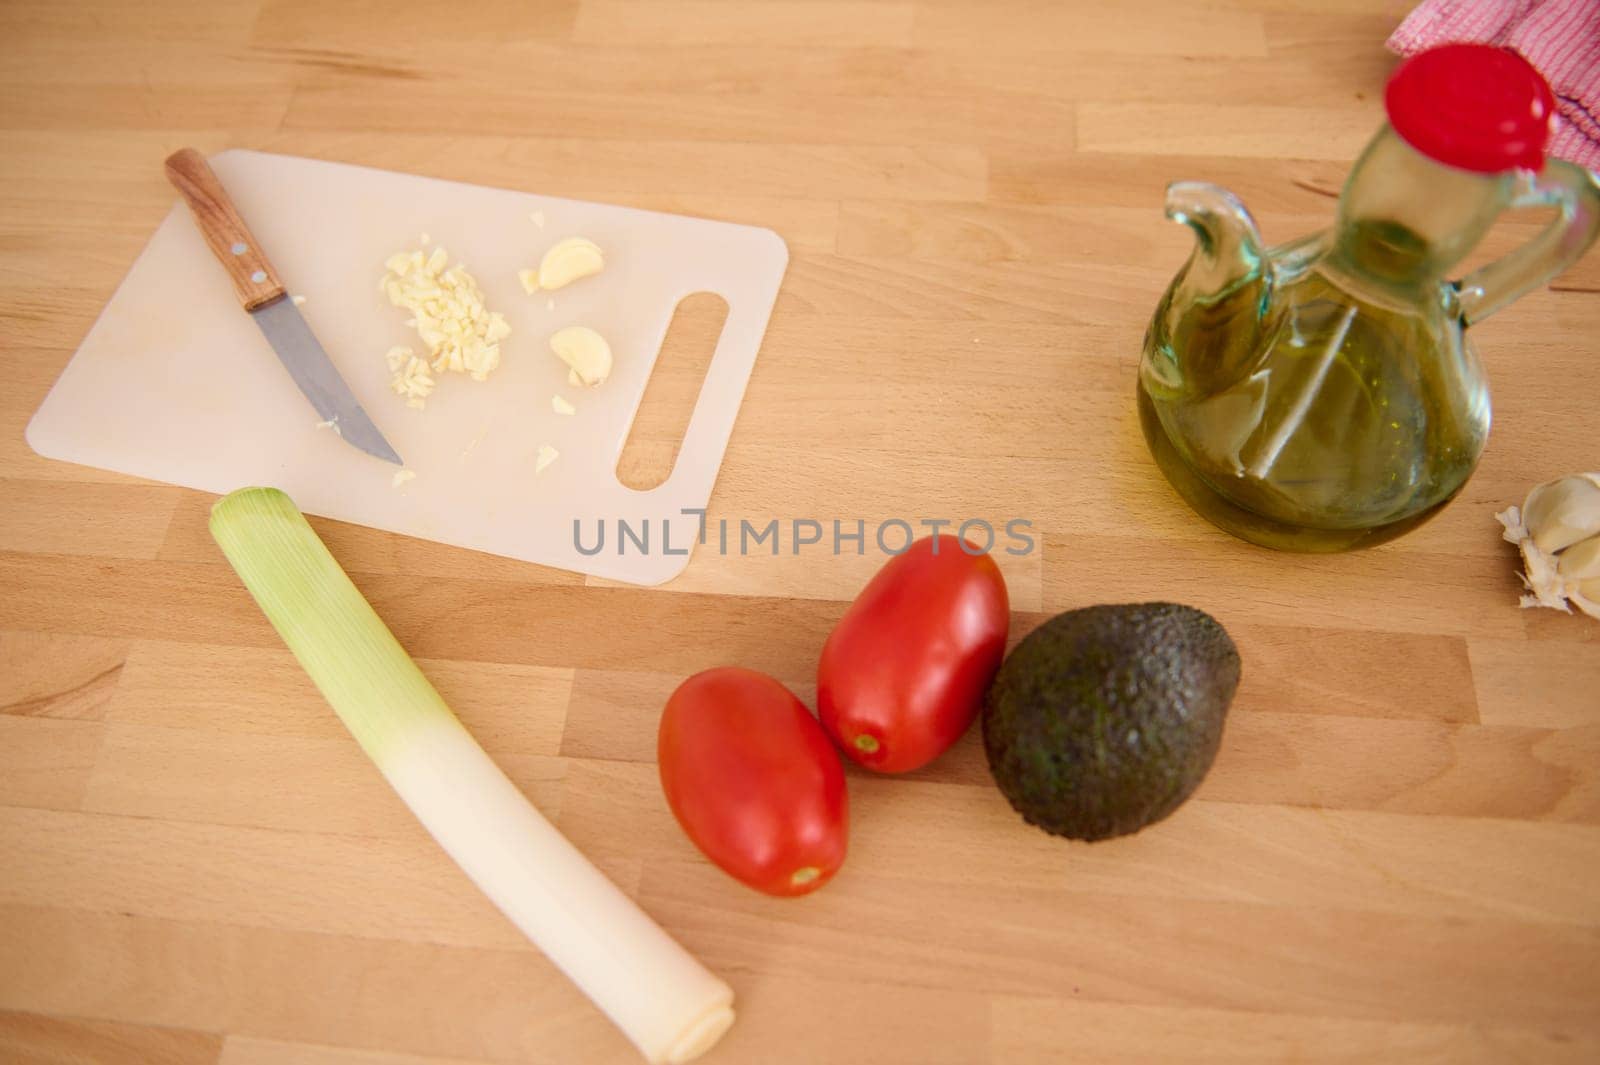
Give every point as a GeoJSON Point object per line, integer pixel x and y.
{"type": "Point", "coordinates": [175, 382]}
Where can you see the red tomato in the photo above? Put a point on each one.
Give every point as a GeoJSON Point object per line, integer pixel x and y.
{"type": "Point", "coordinates": [904, 672]}
{"type": "Point", "coordinates": [753, 780]}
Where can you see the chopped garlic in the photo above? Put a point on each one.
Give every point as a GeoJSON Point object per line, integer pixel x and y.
{"type": "Point", "coordinates": [409, 376]}
{"type": "Point", "coordinates": [529, 279]}
{"type": "Point", "coordinates": [547, 455]}
{"type": "Point", "coordinates": [332, 423]}
{"type": "Point", "coordinates": [297, 300]}
{"type": "Point", "coordinates": [401, 477]}
{"type": "Point", "coordinates": [538, 218]}
{"type": "Point", "coordinates": [561, 406]}
{"type": "Point", "coordinates": [448, 313]}
{"type": "Point", "coordinates": [568, 261]}
{"type": "Point", "coordinates": [424, 240]}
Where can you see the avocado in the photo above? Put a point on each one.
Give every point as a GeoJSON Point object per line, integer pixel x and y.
{"type": "Point", "coordinates": [1104, 720]}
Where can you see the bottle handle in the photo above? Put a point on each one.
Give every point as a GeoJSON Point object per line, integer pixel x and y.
{"type": "Point", "coordinates": [1576, 192]}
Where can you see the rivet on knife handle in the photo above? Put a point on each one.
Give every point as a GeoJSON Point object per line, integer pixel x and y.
{"type": "Point", "coordinates": [231, 240]}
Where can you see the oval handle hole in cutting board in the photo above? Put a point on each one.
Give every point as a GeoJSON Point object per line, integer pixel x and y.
{"type": "Point", "coordinates": [669, 397]}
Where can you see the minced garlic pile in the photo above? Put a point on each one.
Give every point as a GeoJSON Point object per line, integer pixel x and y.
{"type": "Point", "coordinates": [448, 312]}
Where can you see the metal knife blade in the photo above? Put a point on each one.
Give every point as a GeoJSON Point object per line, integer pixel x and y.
{"type": "Point", "coordinates": [297, 348]}
{"type": "Point", "coordinates": [261, 293]}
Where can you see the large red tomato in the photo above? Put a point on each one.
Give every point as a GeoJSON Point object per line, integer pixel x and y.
{"type": "Point", "coordinates": [904, 672]}
{"type": "Point", "coordinates": [753, 780]}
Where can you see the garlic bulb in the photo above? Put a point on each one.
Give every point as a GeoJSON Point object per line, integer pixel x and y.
{"type": "Point", "coordinates": [1558, 531]}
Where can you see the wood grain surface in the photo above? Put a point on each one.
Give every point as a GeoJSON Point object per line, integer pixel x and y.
{"type": "Point", "coordinates": [1395, 858]}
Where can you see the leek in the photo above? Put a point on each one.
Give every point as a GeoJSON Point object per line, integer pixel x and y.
{"type": "Point", "coordinates": [668, 1004]}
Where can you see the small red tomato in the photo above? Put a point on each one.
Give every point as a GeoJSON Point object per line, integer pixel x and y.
{"type": "Point", "coordinates": [904, 672]}
{"type": "Point", "coordinates": [753, 780]}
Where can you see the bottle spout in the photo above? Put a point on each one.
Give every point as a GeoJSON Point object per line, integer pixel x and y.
{"type": "Point", "coordinates": [1204, 335]}
{"type": "Point", "coordinates": [1228, 250]}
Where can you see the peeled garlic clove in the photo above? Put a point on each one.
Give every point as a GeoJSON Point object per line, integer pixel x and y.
{"type": "Point", "coordinates": [569, 260]}
{"type": "Point", "coordinates": [529, 280]}
{"type": "Point", "coordinates": [1559, 513]}
{"type": "Point", "coordinates": [585, 352]}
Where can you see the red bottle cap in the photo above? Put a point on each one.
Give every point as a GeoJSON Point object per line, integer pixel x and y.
{"type": "Point", "coordinates": [1472, 106]}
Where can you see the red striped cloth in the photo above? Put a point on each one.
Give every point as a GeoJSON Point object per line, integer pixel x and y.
{"type": "Point", "coordinates": [1560, 37]}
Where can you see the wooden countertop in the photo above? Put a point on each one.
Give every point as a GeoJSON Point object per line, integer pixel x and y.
{"type": "Point", "coordinates": [1396, 857]}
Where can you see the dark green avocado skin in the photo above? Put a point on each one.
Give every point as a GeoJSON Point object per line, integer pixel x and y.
{"type": "Point", "coordinates": [1104, 720]}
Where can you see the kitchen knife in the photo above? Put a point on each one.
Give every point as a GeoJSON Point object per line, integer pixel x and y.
{"type": "Point", "coordinates": [265, 298]}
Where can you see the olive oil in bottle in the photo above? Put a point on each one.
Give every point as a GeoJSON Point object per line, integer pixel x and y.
{"type": "Point", "coordinates": [1323, 395]}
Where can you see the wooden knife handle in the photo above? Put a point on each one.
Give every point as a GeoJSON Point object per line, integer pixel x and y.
{"type": "Point", "coordinates": [231, 240]}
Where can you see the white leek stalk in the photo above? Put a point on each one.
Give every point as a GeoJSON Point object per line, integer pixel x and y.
{"type": "Point", "coordinates": [666, 1002]}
